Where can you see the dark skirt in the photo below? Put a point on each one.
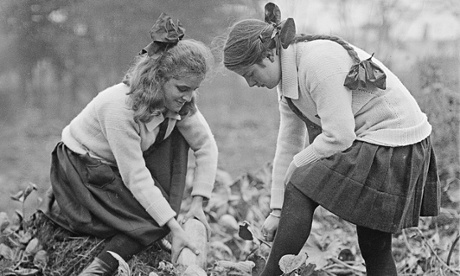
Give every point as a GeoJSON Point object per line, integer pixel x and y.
{"type": "Point", "coordinates": [378, 187]}
{"type": "Point", "coordinates": [89, 197]}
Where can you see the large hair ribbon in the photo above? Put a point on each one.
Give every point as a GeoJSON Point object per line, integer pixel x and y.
{"type": "Point", "coordinates": [164, 34]}
{"type": "Point", "coordinates": [283, 32]}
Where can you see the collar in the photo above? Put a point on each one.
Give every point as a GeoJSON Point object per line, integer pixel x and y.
{"type": "Point", "coordinates": [289, 84]}
{"type": "Point", "coordinates": [157, 120]}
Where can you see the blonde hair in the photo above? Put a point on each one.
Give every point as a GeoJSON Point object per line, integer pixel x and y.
{"type": "Point", "coordinates": [244, 47]}
{"type": "Point", "coordinates": [148, 74]}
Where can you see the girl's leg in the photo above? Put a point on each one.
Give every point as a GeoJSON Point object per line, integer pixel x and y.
{"type": "Point", "coordinates": [105, 264]}
{"type": "Point", "coordinates": [293, 230]}
{"type": "Point", "coordinates": [123, 245]}
{"type": "Point", "coordinates": [376, 250]}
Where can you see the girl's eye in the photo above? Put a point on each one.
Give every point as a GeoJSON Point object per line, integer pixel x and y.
{"type": "Point", "coordinates": [182, 89]}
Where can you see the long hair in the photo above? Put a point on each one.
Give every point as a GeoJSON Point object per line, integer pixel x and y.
{"type": "Point", "coordinates": [244, 47]}
{"type": "Point", "coordinates": [148, 74]}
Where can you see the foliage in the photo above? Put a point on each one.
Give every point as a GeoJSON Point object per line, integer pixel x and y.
{"type": "Point", "coordinates": [236, 213]}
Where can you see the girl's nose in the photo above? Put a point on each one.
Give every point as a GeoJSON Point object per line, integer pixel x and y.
{"type": "Point", "coordinates": [188, 96]}
{"type": "Point", "coordinates": [251, 82]}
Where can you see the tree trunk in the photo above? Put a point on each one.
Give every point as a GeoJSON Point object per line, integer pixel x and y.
{"type": "Point", "coordinates": [197, 233]}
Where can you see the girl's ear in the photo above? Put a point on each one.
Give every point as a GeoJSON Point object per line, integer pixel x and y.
{"type": "Point", "coordinates": [271, 55]}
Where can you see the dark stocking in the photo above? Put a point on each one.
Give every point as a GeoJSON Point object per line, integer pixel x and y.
{"type": "Point", "coordinates": [376, 250]}
{"type": "Point", "coordinates": [124, 246]}
{"type": "Point", "coordinates": [293, 230]}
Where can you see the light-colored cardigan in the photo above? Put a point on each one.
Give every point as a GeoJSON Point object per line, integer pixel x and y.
{"type": "Point", "coordinates": [106, 130]}
{"type": "Point", "coordinates": [313, 74]}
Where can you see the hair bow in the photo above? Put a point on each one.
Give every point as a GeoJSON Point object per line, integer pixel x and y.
{"type": "Point", "coordinates": [284, 31]}
{"type": "Point", "coordinates": [363, 73]}
{"type": "Point", "coordinates": [164, 34]}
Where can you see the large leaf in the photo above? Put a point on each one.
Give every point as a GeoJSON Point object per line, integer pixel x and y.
{"type": "Point", "coordinates": [41, 259]}
{"type": "Point", "coordinates": [453, 191]}
{"type": "Point", "coordinates": [6, 252]}
{"type": "Point", "coordinates": [288, 263]}
{"type": "Point", "coordinates": [4, 221]}
{"type": "Point", "coordinates": [245, 231]}
{"type": "Point", "coordinates": [229, 223]}
{"type": "Point", "coordinates": [194, 270]}
{"type": "Point", "coordinates": [320, 251]}
{"type": "Point", "coordinates": [123, 267]}
{"type": "Point", "coordinates": [29, 189]}
{"type": "Point", "coordinates": [33, 247]}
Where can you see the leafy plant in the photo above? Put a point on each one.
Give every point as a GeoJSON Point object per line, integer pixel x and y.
{"type": "Point", "coordinates": [291, 263]}
{"type": "Point", "coordinates": [123, 267]}
{"type": "Point", "coordinates": [22, 251]}
{"type": "Point", "coordinates": [236, 249]}
{"type": "Point", "coordinates": [246, 233]}
{"type": "Point", "coordinates": [21, 197]}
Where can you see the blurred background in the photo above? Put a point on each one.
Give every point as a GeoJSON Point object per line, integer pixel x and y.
{"type": "Point", "coordinates": [56, 55]}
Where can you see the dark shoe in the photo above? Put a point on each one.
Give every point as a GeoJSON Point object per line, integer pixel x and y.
{"type": "Point", "coordinates": [97, 268]}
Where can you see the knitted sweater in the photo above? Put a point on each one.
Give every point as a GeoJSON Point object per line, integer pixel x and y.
{"type": "Point", "coordinates": [106, 130]}
{"type": "Point", "coordinates": [313, 74]}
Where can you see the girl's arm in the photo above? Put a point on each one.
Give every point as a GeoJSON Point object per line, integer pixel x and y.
{"type": "Point", "coordinates": [124, 140]}
{"type": "Point", "coordinates": [198, 134]}
{"type": "Point", "coordinates": [291, 140]}
{"type": "Point", "coordinates": [334, 107]}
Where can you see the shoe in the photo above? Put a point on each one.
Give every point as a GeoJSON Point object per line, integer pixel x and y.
{"type": "Point", "coordinates": [97, 268]}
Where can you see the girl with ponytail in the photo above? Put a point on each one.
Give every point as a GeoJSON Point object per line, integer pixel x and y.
{"type": "Point", "coordinates": [351, 139]}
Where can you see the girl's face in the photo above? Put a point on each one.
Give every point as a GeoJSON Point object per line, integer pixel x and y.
{"type": "Point", "coordinates": [179, 91]}
{"type": "Point", "coordinates": [264, 74]}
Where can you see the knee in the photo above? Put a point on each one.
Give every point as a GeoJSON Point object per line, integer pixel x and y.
{"type": "Point", "coordinates": [294, 197]}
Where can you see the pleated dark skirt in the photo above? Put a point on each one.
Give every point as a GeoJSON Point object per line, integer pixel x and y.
{"type": "Point", "coordinates": [378, 187]}
{"type": "Point", "coordinates": [88, 197]}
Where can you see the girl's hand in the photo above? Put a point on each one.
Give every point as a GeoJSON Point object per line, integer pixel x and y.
{"type": "Point", "coordinates": [271, 225]}
{"type": "Point", "coordinates": [196, 211]}
{"type": "Point", "coordinates": [292, 167]}
{"type": "Point", "coordinates": [180, 240]}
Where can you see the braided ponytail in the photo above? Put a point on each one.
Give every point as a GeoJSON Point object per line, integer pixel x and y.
{"type": "Point", "coordinates": [343, 43]}
{"type": "Point", "coordinates": [246, 45]}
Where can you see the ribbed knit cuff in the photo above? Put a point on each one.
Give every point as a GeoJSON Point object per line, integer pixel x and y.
{"type": "Point", "coordinates": [202, 189]}
{"type": "Point", "coordinates": [161, 211]}
{"type": "Point", "coordinates": [277, 198]}
{"type": "Point", "coordinates": [305, 157]}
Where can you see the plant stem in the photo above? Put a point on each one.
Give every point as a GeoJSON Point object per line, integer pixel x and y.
{"type": "Point", "coordinates": [264, 242]}
{"type": "Point", "coordinates": [436, 255]}
{"type": "Point", "coordinates": [452, 249]}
